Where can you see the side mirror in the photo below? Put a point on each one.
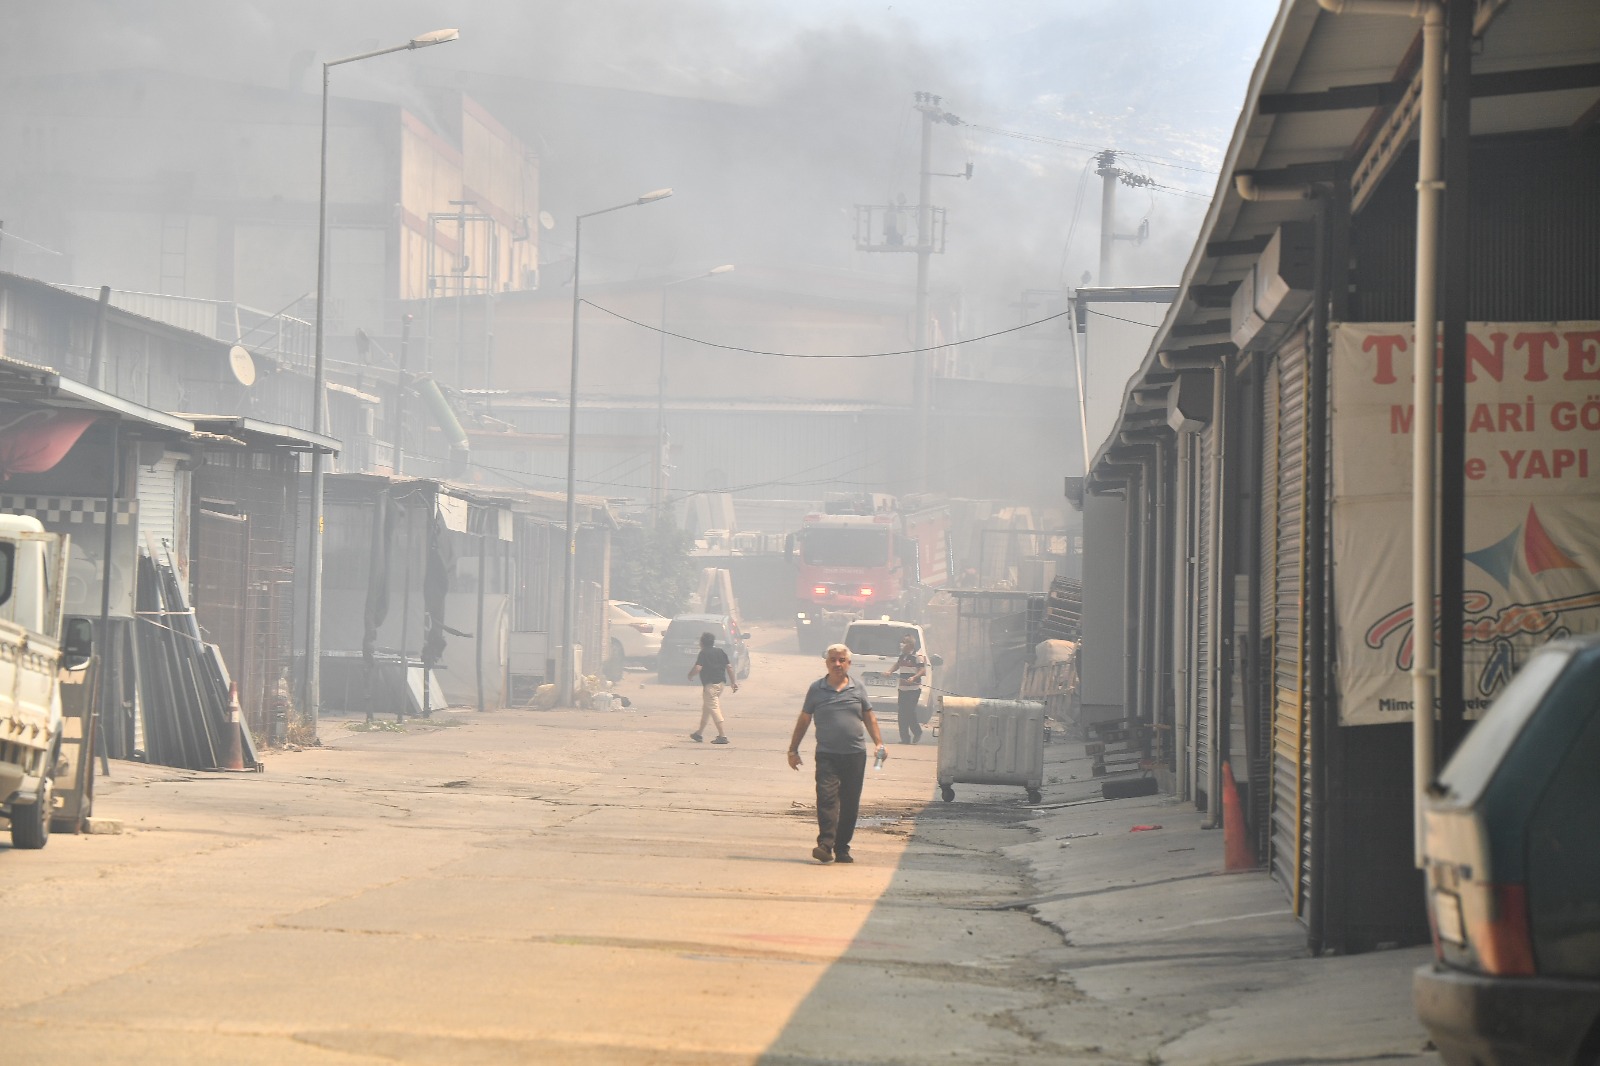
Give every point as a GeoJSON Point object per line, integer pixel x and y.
{"type": "Point", "coordinates": [936, 660]}
{"type": "Point", "coordinates": [77, 645]}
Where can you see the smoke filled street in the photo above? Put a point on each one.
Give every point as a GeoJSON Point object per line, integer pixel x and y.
{"type": "Point", "coordinates": [585, 888]}
{"type": "Point", "coordinates": [1146, 450]}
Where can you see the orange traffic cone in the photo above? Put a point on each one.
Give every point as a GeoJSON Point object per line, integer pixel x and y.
{"type": "Point", "coordinates": [235, 736]}
{"type": "Point", "coordinates": [1237, 853]}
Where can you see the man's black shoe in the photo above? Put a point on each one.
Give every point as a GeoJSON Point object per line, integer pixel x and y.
{"type": "Point", "coordinates": [843, 856]}
{"type": "Point", "coordinates": [821, 854]}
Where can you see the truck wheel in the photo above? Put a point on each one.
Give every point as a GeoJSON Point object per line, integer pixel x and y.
{"type": "Point", "coordinates": [947, 793]}
{"type": "Point", "coordinates": [30, 822]}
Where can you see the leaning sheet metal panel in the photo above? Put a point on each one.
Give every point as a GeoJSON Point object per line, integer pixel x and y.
{"type": "Point", "coordinates": [1204, 571]}
{"type": "Point", "coordinates": [991, 742]}
{"type": "Point", "coordinates": [1291, 742]}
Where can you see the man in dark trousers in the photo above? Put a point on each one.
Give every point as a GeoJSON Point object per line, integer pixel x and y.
{"type": "Point", "coordinates": [844, 720]}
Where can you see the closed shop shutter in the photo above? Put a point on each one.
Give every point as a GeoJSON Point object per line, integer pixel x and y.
{"type": "Point", "coordinates": [159, 510]}
{"type": "Point", "coordinates": [1291, 740]}
{"type": "Point", "coordinates": [1267, 615]}
{"type": "Point", "coordinates": [1205, 569]}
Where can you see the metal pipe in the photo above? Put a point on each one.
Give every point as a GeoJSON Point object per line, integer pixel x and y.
{"type": "Point", "coordinates": [97, 354]}
{"type": "Point", "coordinates": [1144, 680]}
{"type": "Point", "coordinates": [313, 696]}
{"type": "Point", "coordinates": [566, 671]}
{"type": "Point", "coordinates": [1159, 590]}
{"type": "Point", "coordinates": [920, 397]}
{"type": "Point", "coordinates": [108, 547]}
{"type": "Point", "coordinates": [477, 644]}
{"type": "Point", "coordinates": [1078, 363]}
{"type": "Point", "coordinates": [312, 699]}
{"type": "Point", "coordinates": [1455, 253]}
{"type": "Point", "coordinates": [1133, 510]}
{"type": "Point", "coordinates": [1318, 577]}
{"type": "Point", "coordinates": [1219, 387]}
{"type": "Point", "coordinates": [1182, 705]}
{"type": "Point", "coordinates": [1424, 325]}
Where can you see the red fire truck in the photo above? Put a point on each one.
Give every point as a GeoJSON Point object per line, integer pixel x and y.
{"type": "Point", "coordinates": [861, 557]}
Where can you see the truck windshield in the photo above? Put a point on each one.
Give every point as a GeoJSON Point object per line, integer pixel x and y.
{"type": "Point", "coordinates": [846, 547]}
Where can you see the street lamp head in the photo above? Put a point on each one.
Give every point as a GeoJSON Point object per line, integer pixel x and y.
{"type": "Point", "coordinates": [723, 269]}
{"type": "Point", "coordinates": [652, 197]}
{"type": "Point", "coordinates": [436, 37]}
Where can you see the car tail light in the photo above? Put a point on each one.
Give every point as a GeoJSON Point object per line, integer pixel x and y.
{"type": "Point", "coordinates": [866, 590]}
{"type": "Point", "coordinates": [819, 590]}
{"type": "Point", "coordinates": [1502, 941]}
{"type": "Point", "coordinates": [643, 627]}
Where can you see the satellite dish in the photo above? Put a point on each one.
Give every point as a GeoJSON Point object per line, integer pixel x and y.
{"type": "Point", "coordinates": [547, 220]}
{"type": "Point", "coordinates": [242, 366]}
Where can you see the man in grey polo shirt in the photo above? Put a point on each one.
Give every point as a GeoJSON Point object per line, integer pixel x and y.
{"type": "Point", "coordinates": [844, 720]}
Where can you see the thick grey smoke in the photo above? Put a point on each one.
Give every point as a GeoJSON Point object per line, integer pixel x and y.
{"type": "Point", "coordinates": [770, 121]}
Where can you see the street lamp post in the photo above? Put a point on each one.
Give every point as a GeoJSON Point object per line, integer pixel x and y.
{"type": "Point", "coordinates": [313, 695]}
{"type": "Point", "coordinates": [658, 502]}
{"type": "Point", "coordinates": [567, 668]}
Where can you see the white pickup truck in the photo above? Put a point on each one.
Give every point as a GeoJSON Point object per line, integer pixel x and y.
{"type": "Point", "coordinates": [33, 652]}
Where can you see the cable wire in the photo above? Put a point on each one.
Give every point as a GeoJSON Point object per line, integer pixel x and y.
{"type": "Point", "coordinates": [816, 355]}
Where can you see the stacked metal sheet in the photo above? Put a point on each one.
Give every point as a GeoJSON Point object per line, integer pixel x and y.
{"type": "Point", "coordinates": [188, 715]}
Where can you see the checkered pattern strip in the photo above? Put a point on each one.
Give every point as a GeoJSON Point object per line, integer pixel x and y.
{"type": "Point", "coordinates": [67, 510]}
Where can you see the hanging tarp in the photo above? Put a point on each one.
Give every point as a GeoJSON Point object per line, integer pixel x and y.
{"type": "Point", "coordinates": [35, 441]}
{"type": "Point", "coordinates": [1532, 507]}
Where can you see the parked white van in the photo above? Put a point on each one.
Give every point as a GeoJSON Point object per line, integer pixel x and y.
{"type": "Point", "coordinates": [874, 649]}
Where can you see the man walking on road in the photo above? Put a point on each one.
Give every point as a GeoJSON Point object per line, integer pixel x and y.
{"type": "Point", "coordinates": [844, 720]}
{"type": "Point", "coordinates": [714, 670]}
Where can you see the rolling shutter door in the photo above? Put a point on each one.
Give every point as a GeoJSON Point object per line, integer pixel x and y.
{"type": "Point", "coordinates": [1204, 581]}
{"type": "Point", "coordinates": [1291, 740]}
{"type": "Point", "coordinates": [1262, 677]}
{"type": "Point", "coordinates": [158, 507]}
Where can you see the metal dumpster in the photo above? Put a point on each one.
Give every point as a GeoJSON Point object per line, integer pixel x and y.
{"type": "Point", "coordinates": [991, 742]}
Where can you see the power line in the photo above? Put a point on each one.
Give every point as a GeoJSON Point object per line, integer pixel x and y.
{"type": "Point", "coordinates": [1041, 139]}
{"type": "Point", "coordinates": [810, 355]}
{"type": "Point", "coordinates": [1129, 321]}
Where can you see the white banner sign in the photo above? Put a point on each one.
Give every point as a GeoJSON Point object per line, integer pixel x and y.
{"type": "Point", "coordinates": [1532, 511]}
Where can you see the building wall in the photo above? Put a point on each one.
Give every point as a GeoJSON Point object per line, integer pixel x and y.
{"type": "Point", "coordinates": [214, 192]}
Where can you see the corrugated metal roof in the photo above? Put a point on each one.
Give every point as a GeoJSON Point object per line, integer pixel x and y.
{"type": "Point", "coordinates": [1309, 50]}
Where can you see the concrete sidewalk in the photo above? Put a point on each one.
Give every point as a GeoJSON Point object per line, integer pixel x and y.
{"type": "Point", "coordinates": [1178, 962]}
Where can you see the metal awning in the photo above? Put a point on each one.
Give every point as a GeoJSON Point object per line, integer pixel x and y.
{"type": "Point", "coordinates": [252, 431]}
{"type": "Point", "coordinates": [44, 387]}
{"type": "Point", "coordinates": [1332, 98]}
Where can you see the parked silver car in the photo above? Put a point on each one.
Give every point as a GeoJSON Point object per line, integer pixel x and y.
{"type": "Point", "coordinates": [681, 646]}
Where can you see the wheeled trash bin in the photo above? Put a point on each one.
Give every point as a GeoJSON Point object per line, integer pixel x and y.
{"type": "Point", "coordinates": [991, 742]}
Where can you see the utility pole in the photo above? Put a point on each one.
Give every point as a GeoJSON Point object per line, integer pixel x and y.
{"type": "Point", "coordinates": [1110, 175]}
{"type": "Point", "coordinates": [887, 236]}
{"type": "Point", "coordinates": [1106, 167]}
